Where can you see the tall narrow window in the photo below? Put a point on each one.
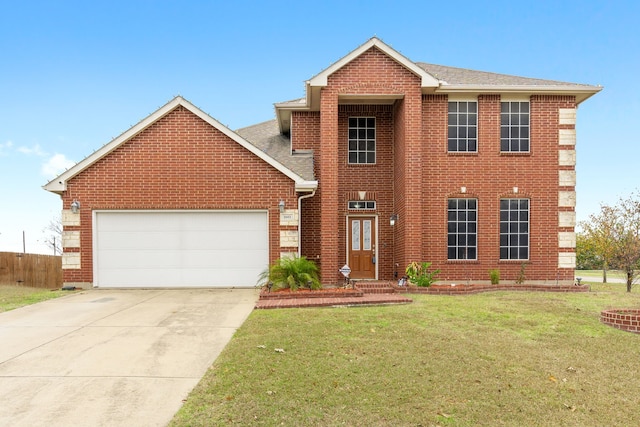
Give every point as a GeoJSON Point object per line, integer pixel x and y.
{"type": "Point", "coordinates": [462, 229]}
{"type": "Point", "coordinates": [463, 126]}
{"type": "Point", "coordinates": [514, 229]}
{"type": "Point", "coordinates": [362, 140]}
{"type": "Point", "coordinates": [514, 126]}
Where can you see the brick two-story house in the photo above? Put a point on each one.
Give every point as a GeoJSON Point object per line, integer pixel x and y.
{"type": "Point", "coordinates": [383, 162]}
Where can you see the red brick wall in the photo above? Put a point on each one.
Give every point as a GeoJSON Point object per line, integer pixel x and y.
{"type": "Point", "coordinates": [305, 135]}
{"type": "Point", "coordinates": [371, 73]}
{"type": "Point", "coordinates": [179, 162]}
{"type": "Point", "coordinates": [376, 180]}
{"type": "Point", "coordinates": [415, 176]}
{"type": "Point", "coordinates": [305, 131]}
{"type": "Point", "coordinates": [489, 175]}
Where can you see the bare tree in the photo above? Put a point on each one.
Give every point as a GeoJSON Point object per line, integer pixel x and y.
{"type": "Point", "coordinates": [53, 235]}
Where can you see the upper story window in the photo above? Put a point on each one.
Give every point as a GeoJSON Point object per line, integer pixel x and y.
{"type": "Point", "coordinates": [514, 229]}
{"type": "Point", "coordinates": [463, 126]}
{"type": "Point", "coordinates": [362, 140]}
{"type": "Point", "coordinates": [514, 127]}
{"type": "Point", "coordinates": [462, 229]}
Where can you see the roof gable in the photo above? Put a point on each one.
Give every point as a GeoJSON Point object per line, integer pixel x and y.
{"type": "Point", "coordinates": [427, 79]}
{"type": "Point", "coordinates": [59, 184]}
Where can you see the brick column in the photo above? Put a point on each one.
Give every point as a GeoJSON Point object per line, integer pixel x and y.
{"type": "Point", "coordinates": [414, 204]}
{"type": "Point", "coordinates": [328, 183]}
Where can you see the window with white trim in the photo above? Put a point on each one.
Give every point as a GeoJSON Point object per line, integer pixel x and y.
{"type": "Point", "coordinates": [462, 223]}
{"type": "Point", "coordinates": [362, 140]}
{"type": "Point", "coordinates": [514, 127]}
{"type": "Point", "coordinates": [463, 126]}
{"type": "Point", "coordinates": [514, 229]}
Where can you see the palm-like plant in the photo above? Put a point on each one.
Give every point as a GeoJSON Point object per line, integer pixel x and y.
{"type": "Point", "coordinates": [293, 273]}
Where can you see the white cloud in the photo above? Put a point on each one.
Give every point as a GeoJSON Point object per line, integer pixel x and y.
{"type": "Point", "coordinates": [5, 147]}
{"type": "Point", "coordinates": [56, 164]}
{"type": "Point", "coordinates": [35, 150]}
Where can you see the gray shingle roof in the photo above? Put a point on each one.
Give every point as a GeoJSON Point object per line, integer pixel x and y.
{"type": "Point", "coordinates": [266, 136]}
{"type": "Point", "coordinates": [462, 76]}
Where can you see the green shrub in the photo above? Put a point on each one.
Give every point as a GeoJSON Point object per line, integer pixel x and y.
{"type": "Point", "coordinates": [494, 275]}
{"type": "Point", "coordinates": [293, 273]}
{"type": "Point", "coordinates": [419, 274]}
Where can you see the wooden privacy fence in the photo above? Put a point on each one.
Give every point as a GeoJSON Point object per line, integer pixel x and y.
{"type": "Point", "coordinates": [33, 270]}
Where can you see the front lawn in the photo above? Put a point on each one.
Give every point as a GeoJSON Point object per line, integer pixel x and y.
{"type": "Point", "coordinates": [12, 296]}
{"type": "Point", "coordinates": [504, 358]}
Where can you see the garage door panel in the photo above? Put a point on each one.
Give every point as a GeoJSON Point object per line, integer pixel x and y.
{"type": "Point", "coordinates": [138, 240]}
{"type": "Point", "coordinates": [138, 259]}
{"type": "Point", "coordinates": [180, 248]}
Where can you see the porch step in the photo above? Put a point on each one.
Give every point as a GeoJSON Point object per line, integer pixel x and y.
{"type": "Point", "coordinates": [375, 287]}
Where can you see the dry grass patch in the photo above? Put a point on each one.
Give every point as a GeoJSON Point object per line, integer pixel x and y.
{"type": "Point", "coordinates": [12, 296]}
{"type": "Point", "coordinates": [504, 358]}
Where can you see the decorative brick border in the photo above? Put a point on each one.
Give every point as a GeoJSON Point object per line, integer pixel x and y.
{"type": "Point", "coordinates": [474, 289]}
{"type": "Point", "coordinates": [625, 319]}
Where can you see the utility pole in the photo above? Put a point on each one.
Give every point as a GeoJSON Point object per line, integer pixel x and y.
{"type": "Point", "coordinates": [24, 245]}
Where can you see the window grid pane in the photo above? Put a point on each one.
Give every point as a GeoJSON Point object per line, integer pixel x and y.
{"type": "Point", "coordinates": [514, 229]}
{"type": "Point", "coordinates": [362, 140]}
{"type": "Point", "coordinates": [463, 128]}
{"type": "Point", "coordinates": [514, 127]}
{"type": "Point", "coordinates": [462, 225]}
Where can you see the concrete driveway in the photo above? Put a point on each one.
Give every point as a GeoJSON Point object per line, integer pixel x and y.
{"type": "Point", "coordinates": [112, 357]}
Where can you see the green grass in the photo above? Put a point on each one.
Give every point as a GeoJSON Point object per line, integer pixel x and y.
{"type": "Point", "coordinates": [12, 296]}
{"type": "Point", "coordinates": [503, 358]}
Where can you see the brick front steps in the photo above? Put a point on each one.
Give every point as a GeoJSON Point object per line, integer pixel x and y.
{"type": "Point", "coordinates": [625, 319]}
{"type": "Point", "coordinates": [331, 298]}
{"type": "Point", "coordinates": [305, 293]}
{"type": "Point", "coordinates": [375, 287]}
{"type": "Point", "coordinates": [384, 292]}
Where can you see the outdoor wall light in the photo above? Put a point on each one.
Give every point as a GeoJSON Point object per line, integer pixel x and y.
{"type": "Point", "coordinates": [393, 219]}
{"type": "Point", "coordinates": [75, 206]}
{"type": "Point", "coordinates": [281, 206]}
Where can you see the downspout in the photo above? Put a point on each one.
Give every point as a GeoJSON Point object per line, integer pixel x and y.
{"type": "Point", "coordinates": [313, 193]}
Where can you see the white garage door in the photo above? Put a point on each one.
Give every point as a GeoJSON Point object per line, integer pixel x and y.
{"type": "Point", "coordinates": [179, 248]}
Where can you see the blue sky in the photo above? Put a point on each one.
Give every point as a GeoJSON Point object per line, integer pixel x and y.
{"type": "Point", "coordinates": [75, 74]}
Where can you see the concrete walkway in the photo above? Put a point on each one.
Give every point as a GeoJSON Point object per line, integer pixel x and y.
{"type": "Point", "coordinates": [112, 357]}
